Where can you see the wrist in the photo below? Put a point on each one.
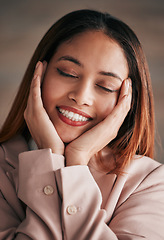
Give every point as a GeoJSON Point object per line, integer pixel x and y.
{"type": "Point", "coordinates": [55, 149]}
{"type": "Point", "coordinates": [58, 151]}
{"type": "Point", "coordinates": [74, 162]}
{"type": "Point", "coordinates": [75, 158]}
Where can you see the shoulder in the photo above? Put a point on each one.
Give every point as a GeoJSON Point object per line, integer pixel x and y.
{"type": "Point", "coordinates": [10, 150]}
{"type": "Point", "coordinates": [141, 167]}
{"type": "Point", "coordinates": [152, 173]}
{"type": "Point", "coordinates": [143, 175]}
{"type": "Point", "coordinates": [140, 205]}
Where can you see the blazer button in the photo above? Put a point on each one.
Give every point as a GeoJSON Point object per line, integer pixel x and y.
{"type": "Point", "coordinates": [48, 190]}
{"type": "Point", "coordinates": [71, 210]}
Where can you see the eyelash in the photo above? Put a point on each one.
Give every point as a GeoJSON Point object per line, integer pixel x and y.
{"type": "Point", "coordinates": [65, 74]}
{"type": "Point", "coordinates": [72, 76]}
{"type": "Point", "coordinates": [106, 89]}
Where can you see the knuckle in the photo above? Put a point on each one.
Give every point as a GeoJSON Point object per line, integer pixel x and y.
{"type": "Point", "coordinates": [114, 135]}
{"type": "Point", "coordinates": [34, 84]}
{"type": "Point", "coordinates": [25, 113]}
{"type": "Point", "coordinates": [34, 95]}
{"type": "Point", "coordinates": [127, 103]}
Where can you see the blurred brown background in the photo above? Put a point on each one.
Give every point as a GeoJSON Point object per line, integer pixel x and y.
{"type": "Point", "coordinates": [24, 22]}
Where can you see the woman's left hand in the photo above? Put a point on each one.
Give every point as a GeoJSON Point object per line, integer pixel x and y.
{"type": "Point", "coordinates": [80, 151]}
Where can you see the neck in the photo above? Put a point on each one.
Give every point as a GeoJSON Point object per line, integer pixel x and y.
{"type": "Point", "coordinates": [103, 161]}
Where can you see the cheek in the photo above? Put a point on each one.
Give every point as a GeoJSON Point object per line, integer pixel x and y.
{"type": "Point", "coordinates": [47, 96]}
{"type": "Point", "coordinates": [52, 91]}
{"type": "Point", "coordinates": [107, 106]}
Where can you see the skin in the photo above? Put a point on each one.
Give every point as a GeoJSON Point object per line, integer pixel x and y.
{"type": "Point", "coordinates": [83, 87]}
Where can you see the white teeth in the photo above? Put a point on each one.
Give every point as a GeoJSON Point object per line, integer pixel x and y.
{"type": "Point", "coordinates": [80, 118]}
{"type": "Point", "coordinates": [73, 116]}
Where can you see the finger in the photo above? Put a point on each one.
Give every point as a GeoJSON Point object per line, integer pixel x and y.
{"type": "Point", "coordinates": [38, 69]}
{"type": "Point", "coordinates": [35, 97]}
{"type": "Point", "coordinates": [125, 94]}
{"type": "Point", "coordinates": [44, 70]}
{"type": "Point", "coordinates": [37, 79]}
{"type": "Point", "coordinates": [35, 92]}
{"type": "Point", "coordinates": [124, 89]}
{"type": "Point", "coordinates": [34, 102]}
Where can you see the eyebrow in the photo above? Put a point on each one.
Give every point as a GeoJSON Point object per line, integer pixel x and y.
{"type": "Point", "coordinates": [111, 74]}
{"type": "Point", "coordinates": [76, 61]}
{"type": "Point", "coordinates": [71, 59]}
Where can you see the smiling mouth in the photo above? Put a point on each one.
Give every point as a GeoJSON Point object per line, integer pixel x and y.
{"type": "Point", "coordinates": [72, 118]}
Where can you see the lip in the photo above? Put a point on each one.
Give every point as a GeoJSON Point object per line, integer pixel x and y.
{"type": "Point", "coordinates": [74, 110]}
{"type": "Point", "coordinates": [69, 121]}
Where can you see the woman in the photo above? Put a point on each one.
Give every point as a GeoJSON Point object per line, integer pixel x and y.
{"type": "Point", "coordinates": [76, 147]}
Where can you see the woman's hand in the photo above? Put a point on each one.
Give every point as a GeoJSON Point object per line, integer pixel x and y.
{"type": "Point", "coordinates": [40, 126]}
{"type": "Point", "coordinates": [79, 151]}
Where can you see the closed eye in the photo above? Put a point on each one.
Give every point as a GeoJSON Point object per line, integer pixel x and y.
{"type": "Point", "coordinates": [106, 89]}
{"type": "Point", "coordinates": [65, 74]}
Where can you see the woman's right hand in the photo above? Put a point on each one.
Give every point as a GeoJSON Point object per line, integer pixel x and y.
{"type": "Point", "coordinates": [83, 148]}
{"type": "Point", "coordinates": [40, 126]}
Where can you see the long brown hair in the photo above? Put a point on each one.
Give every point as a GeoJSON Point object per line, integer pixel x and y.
{"type": "Point", "coordinates": [136, 135]}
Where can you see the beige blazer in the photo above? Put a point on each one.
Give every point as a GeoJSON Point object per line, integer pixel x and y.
{"type": "Point", "coordinates": [42, 199]}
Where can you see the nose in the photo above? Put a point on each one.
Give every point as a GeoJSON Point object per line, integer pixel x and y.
{"type": "Point", "coordinates": [82, 94]}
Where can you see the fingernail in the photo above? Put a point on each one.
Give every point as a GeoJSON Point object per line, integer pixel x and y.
{"type": "Point", "coordinates": [35, 76]}
{"type": "Point", "coordinates": [130, 82]}
{"type": "Point", "coordinates": [127, 84]}
{"type": "Point", "coordinates": [44, 62]}
{"type": "Point", "coordinates": [37, 65]}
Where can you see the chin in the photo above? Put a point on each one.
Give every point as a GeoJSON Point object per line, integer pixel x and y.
{"type": "Point", "coordinates": [67, 138]}
{"type": "Point", "coordinates": [68, 134]}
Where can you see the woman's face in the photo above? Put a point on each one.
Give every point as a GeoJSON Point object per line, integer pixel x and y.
{"type": "Point", "coordinates": [82, 82]}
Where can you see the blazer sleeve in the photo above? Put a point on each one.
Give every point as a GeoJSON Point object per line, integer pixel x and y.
{"type": "Point", "coordinates": [140, 216]}
{"type": "Point", "coordinates": [82, 215]}
{"type": "Point", "coordinates": [37, 190]}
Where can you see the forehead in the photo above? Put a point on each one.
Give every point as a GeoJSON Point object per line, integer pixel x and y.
{"type": "Point", "coordinates": [89, 40]}
{"type": "Point", "coordinates": [93, 47]}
